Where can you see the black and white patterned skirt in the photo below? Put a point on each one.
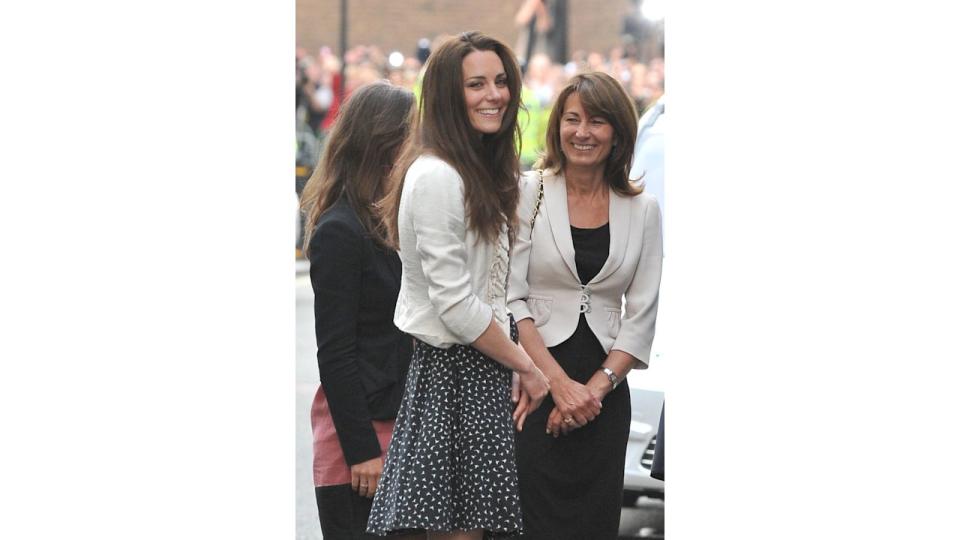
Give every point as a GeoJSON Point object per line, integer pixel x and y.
{"type": "Point", "coordinates": [451, 464]}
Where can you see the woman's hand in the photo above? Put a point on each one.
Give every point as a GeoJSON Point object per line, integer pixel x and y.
{"type": "Point", "coordinates": [534, 384]}
{"type": "Point", "coordinates": [521, 410]}
{"type": "Point", "coordinates": [521, 402]}
{"type": "Point", "coordinates": [555, 424]}
{"type": "Point", "coordinates": [365, 476]}
{"type": "Point", "coordinates": [524, 403]}
{"type": "Point", "coordinates": [576, 402]}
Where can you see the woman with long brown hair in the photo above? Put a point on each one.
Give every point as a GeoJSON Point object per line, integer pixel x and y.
{"type": "Point", "coordinates": [363, 358]}
{"type": "Point", "coordinates": [450, 468]}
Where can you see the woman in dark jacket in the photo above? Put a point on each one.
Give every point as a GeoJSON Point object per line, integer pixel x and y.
{"type": "Point", "coordinates": [363, 358]}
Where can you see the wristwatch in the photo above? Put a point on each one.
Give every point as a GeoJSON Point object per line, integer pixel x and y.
{"type": "Point", "coordinates": [614, 380]}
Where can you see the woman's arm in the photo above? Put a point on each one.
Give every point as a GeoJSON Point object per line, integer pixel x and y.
{"type": "Point", "coordinates": [335, 260]}
{"type": "Point", "coordinates": [439, 223]}
{"type": "Point", "coordinates": [598, 386]}
{"type": "Point", "coordinates": [533, 383]}
{"type": "Point", "coordinates": [637, 328]}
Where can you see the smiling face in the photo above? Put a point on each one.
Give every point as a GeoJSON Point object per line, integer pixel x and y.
{"type": "Point", "coordinates": [585, 140]}
{"type": "Point", "coordinates": [485, 90]}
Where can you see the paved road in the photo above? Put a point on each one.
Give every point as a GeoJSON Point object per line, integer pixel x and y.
{"type": "Point", "coordinates": [644, 520]}
{"type": "Point", "coordinates": [308, 528]}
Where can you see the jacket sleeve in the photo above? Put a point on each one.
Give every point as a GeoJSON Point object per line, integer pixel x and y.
{"type": "Point", "coordinates": [439, 223]}
{"type": "Point", "coordinates": [335, 263]}
{"type": "Point", "coordinates": [518, 286]}
{"type": "Point", "coordinates": [640, 315]}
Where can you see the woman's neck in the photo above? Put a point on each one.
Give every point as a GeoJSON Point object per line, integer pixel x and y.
{"type": "Point", "coordinates": [586, 183]}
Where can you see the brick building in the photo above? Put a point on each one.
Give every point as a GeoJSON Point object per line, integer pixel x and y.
{"type": "Point", "coordinates": [593, 25]}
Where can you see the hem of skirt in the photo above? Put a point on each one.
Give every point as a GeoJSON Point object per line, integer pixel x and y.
{"type": "Point", "coordinates": [436, 527]}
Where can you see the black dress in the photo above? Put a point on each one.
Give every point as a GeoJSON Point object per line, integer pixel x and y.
{"type": "Point", "coordinates": [571, 486]}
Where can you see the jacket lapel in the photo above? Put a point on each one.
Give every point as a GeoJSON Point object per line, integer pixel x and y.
{"type": "Point", "coordinates": [555, 201]}
{"type": "Point", "coordinates": [620, 218]}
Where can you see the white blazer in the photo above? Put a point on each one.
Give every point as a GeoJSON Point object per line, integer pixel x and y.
{"type": "Point", "coordinates": [620, 303]}
{"type": "Point", "coordinates": [453, 283]}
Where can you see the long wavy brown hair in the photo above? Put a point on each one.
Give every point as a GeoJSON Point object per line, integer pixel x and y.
{"type": "Point", "coordinates": [601, 95]}
{"type": "Point", "coordinates": [487, 163]}
{"type": "Point", "coordinates": [359, 155]}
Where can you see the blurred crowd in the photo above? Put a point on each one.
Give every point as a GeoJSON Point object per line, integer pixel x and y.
{"type": "Point", "coordinates": [320, 89]}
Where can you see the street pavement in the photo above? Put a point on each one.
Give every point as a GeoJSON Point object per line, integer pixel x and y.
{"type": "Point", "coordinates": [308, 526]}
{"type": "Point", "coordinates": [644, 520]}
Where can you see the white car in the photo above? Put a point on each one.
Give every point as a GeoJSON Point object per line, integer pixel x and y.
{"type": "Point", "coordinates": [646, 401]}
{"type": "Point", "coordinates": [646, 386]}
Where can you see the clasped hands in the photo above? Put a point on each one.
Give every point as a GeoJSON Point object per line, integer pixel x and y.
{"type": "Point", "coordinates": [575, 405]}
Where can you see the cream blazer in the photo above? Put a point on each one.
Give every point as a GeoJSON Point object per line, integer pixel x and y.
{"type": "Point", "coordinates": [620, 303]}
{"type": "Point", "coordinates": [453, 283]}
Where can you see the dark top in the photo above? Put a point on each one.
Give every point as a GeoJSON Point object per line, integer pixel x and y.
{"type": "Point", "coordinates": [363, 357]}
{"type": "Point", "coordinates": [571, 487]}
{"type": "Point", "coordinates": [591, 247]}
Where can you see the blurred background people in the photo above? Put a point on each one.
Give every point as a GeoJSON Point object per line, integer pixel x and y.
{"type": "Point", "coordinates": [318, 87]}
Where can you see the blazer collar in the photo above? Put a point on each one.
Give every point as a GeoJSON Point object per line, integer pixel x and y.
{"type": "Point", "coordinates": [555, 199]}
{"type": "Point", "coordinates": [620, 218]}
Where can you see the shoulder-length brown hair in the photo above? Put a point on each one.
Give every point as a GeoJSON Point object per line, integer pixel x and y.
{"type": "Point", "coordinates": [601, 95]}
{"type": "Point", "coordinates": [359, 155]}
{"type": "Point", "coordinates": [487, 163]}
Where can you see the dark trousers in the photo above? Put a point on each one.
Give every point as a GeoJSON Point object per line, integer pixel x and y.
{"type": "Point", "coordinates": [343, 513]}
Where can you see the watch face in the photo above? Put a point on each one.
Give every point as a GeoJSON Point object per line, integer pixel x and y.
{"type": "Point", "coordinates": [614, 380]}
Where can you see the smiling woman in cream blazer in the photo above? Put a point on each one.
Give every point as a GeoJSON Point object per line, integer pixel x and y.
{"type": "Point", "coordinates": [619, 303]}
{"type": "Point", "coordinates": [584, 282]}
